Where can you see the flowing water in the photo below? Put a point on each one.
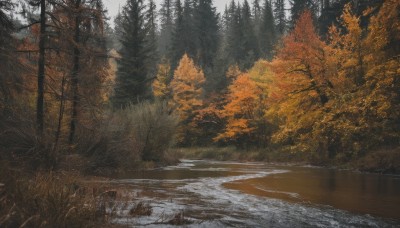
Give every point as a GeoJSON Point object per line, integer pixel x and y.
{"type": "Point", "coordinates": [220, 194]}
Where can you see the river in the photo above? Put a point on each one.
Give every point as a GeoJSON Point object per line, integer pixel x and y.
{"type": "Point", "coordinates": [228, 194]}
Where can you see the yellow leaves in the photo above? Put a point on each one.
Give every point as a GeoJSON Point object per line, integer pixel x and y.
{"type": "Point", "coordinates": [161, 89]}
{"type": "Point", "coordinates": [187, 90]}
{"type": "Point", "coordinates": [187, 85]}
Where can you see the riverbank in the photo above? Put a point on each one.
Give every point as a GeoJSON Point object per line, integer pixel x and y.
{"type": "Point", "coordinates": [384, 161]}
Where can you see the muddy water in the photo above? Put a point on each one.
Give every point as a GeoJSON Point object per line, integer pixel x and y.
{"type": "Point", "coordinates": [221, 194]}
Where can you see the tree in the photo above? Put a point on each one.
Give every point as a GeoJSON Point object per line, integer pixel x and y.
{"type": "Point", "coordinates": [350, 48]}
{"type": "Point", "coordinates": [240, 111]}
{"type": "Point", "coordinates": [206, 30]}
{"type": "Point", "coordinates": [9, 79]}
{"type": "Point", "coordinates": [257, 14]}
{"type": "Point", "coordinates": [41, 64]}
{"type": "Point", "coordinates": [267, 36]}
{"type": "Point", "coordinates": [302, 89]}
{"type": "Point", "coordinates": [299, 6]}
{"type": "Point", "coordinates": [187, 91]}
{"type": "Point", "coordinates": [302, 60]}
{"type": "Point", "coordinates": [280, 17]}
{"type": "Point", "coordinates": [85, 44]}
{"type": "Point", "coordinates": [178, 38]}
{"type": "Point", "coordinates": [131, 81]}
{"type": "Point", "coordinates": [151, 38]}
{"type": "Point", "coordinates": [167, 26]}
{"type": "Point", "coordinates": [249, 41]}
{"type": "Point", "coordinates": [246, 106]}
{"type": "Point", "coordinates": [161, 89]}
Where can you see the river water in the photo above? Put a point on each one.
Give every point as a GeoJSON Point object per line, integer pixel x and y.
{"type": "Point", "coordinates": [227, 194]}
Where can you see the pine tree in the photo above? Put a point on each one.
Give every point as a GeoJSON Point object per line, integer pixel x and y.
{"type": "Point", "coordinates": [118, 30]}
{"type": "Point", "coordinates": [299, 6]}
{"type": "Point", "coordinates": [257, 14]}
{"type": "Point", "coordinates": [267, 36]}
{"type": "Point", "coordinates": [250, 53]}
{"type": "Point", "coordinates": [167, 27]}
{"type": "Point", "coordinates": [280, 17]}
{"type": "Point", "coordinates": [207, 32]}
{"type": "Point", "coordinates": [151, 38]}
{"type": "Point", "coordinates": [177, 39]}
{"type": "Point", "coordinates": [131, 81]}
{"type": "Point", "coordinates": [234, 35]}
{"type": "Point", "coordinates": [183, 40]}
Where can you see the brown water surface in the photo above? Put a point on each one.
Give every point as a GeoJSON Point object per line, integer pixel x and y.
{"type": "Point", "coordinates": [373, 194]}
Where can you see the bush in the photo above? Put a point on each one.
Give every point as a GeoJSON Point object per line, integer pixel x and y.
{"type": "Point", "coordinates": [142, 132]}
{"type": "Point", "coordinates": [153, 127]}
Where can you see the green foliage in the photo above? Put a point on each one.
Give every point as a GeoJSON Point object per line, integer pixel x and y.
{"type": "Point", "coordinates": [267, 36]}
{"type": "Point", "coordinates": [131, 81]}
{"type": "Point", "coordinates": [206, 27]}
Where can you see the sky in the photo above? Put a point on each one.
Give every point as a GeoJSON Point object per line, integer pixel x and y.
{"type": "Point", "coordinates": [113, 6]}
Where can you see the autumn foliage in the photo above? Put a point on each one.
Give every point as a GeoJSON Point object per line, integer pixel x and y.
{"type": "Point", "coordinates": [187, 94]}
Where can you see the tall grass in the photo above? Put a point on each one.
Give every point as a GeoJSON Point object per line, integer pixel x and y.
{"type": "Point", "coordinates": [46, 200]}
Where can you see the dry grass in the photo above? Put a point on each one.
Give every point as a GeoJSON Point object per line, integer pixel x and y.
{"type": "Point", "coordinates": [47, 200]}
{"type": "Point", "coordinates": [179, 220]}
{"type": "Point", "coordinates": [141, 209]}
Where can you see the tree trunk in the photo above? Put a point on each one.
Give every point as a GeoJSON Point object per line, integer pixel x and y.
{"type": "Point", "coordinates": [41, 70]}
{"type": "Point", "coordinates": [61, 112]}
{"type": "Point", "coordinates": [75, 72]}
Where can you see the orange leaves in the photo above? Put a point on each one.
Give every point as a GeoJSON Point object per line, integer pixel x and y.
{"type": "Point", "coordinates": [247, 103]}
{"type": "Point", "coordinates": [187, 90]}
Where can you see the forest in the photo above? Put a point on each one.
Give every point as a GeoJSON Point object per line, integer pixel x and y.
{"type": "Point", "coordinates": [314, 81]}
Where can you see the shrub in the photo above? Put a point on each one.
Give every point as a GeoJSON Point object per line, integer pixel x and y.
{"type": "Point", "coordinates": [152, 126]}
{"type": "Point", "coordinates": [141, 132]}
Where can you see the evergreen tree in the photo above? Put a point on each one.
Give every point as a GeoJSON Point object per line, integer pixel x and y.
{"type": "Point", "coordinates": [250, 45]}
{"type": "Point", "coordinates": [299, 6]}
{"type": "Point", "coordinates": [280, 17]}
{"type": "Point", "coordinates": [207, 32]}
{"type": "Point", "coordinates": [118, 30]}
{"type": "Point", "coordinates": [267, 31]}
{"type": "Point", "coordinates": [167, 27]}
{"type": "Point", "coordinates": [177, 48]}
{"type": "Point", "coordinates": [234, 36]}
{"type": "Point", "coordinates": [183, 40]}
{"type": "Point", "coordinates": [151, 42]}
{"type": "Point", "coordinates": [131, 81]}
{"type": "Point", "coordinates": [257, 14]}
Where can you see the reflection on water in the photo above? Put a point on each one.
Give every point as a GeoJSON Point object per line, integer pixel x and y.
{"type": "Point", "coordinates": [356, 192]}
{"type": "Point", "coordinates": [215, 194]}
